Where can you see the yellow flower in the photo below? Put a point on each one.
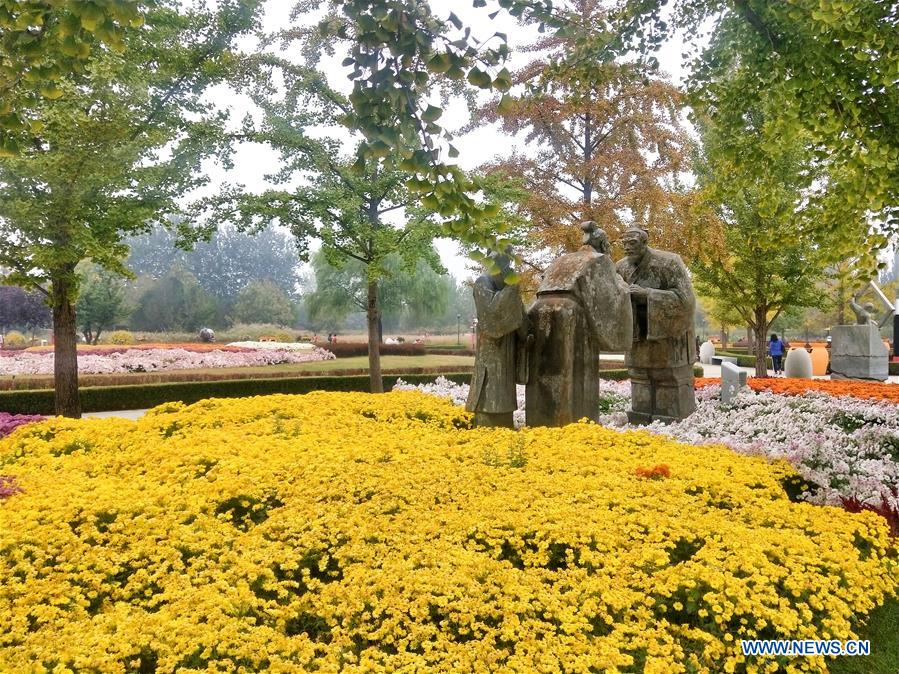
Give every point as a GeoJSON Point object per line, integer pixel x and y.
{"type": "Point", "coordinates": [357, 533]}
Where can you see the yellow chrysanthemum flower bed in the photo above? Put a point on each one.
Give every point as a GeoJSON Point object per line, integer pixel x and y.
{"type": "Point", "coordinates": [355, 533]}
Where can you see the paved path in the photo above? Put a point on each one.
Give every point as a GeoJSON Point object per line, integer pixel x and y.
{"type": "Point", "coordinates": [123, 414]}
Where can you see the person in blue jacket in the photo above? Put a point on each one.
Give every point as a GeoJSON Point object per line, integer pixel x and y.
{"type": "Point", "coordinates": [776, 350]}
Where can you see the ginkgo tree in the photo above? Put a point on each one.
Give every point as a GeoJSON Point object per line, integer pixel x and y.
{"type": "Point", "coordinates": [43, 45]}
{"type": "Point", "coordinates": [360, 208]}
{"type": "Point", "coordinates": [825, 71]}
{"type": "Point", "coordinates": [113, 153]}
{"type": "Point", "coordinates": [604, 141]}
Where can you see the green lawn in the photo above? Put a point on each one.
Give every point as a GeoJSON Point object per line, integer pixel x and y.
{"type": "Point", "coordinates": [882, 631]}
{"type": "Point", "coordinates": [389, 364]}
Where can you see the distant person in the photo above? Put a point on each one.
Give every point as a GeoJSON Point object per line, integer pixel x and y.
{"type": "Point", "coordinates": [776, 349]}
{"type": "Point", "coordinates": [334, 338]}
{"type": "Point", "coordinates": [330, 337]}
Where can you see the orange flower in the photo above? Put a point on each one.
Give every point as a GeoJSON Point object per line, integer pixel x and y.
{"type": "Point", "coordinates": [654, 473]}
{"type": "Point", "coordinates": [856, 389]}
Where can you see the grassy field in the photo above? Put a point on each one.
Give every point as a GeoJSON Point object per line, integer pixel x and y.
{"type": "Point", "coordinates": [355, 365]}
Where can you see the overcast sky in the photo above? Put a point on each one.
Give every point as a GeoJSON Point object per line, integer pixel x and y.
{"type": "Point", "coordinates": [253, 161]}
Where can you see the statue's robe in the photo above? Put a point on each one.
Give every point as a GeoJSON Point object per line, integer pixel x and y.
{"type": "Point", "coordinates": [501, 331]}
{"type": "Point", "coordinates": [660, 361]}
{"type": "Point", "coordinates": [582, 307]}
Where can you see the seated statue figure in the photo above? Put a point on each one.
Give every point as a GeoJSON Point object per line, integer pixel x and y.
{"type": "Point", "coordinates": [582, 307]}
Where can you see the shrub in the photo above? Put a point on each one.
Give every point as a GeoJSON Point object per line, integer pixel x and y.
{"type": "Point", "coordinates": [121, 337]}
{"type": "Point", "coordinates": [14, 340]}
{"type": "Point", "coordinates": [284, 337]}
{"type": "Point", "coordinates": [352, 349]}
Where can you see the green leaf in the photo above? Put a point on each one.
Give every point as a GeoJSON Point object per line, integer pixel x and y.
{"type": "Point", "coordinates": [432, 113]}
{"type": "Point", "coordinates": [479, 78]}
{"type": "Point", "coordinates": [440, 63]}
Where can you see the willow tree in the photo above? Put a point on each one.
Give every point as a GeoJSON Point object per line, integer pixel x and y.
{"type": "Point", "coordinates": [113, 152]}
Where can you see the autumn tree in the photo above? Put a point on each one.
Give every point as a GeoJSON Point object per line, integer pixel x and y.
{"type": "Point", "coordinates": [119, 146]}
{"type": "Point", "coordinates": [604, 142]}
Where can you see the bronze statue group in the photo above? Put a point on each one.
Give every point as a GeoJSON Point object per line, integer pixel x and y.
{"type": "Point", "coordinates": [642, 306]}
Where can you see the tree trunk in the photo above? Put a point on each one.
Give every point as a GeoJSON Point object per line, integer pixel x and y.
{"type": "Point", "coordinates": [725, 335]}
{"type": "Point", "coordinates": [65, 367]}
{"type": "Point", "coordinates": [373, 313]}
{"type": "Point", "coordinates": [761, 352]}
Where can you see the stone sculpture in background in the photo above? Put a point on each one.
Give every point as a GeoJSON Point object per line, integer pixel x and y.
{"type": "Point", "coordinates": [733, 380]}
{"type": "Point", "coordinates": [660, 361]}
{"type": "Point", "coordinates": [500, 354]}
{"type": "Point", "coordinates": [706, 352]}
{"type": "Point", "coordinates": [798, 364]}
{"type": "Point", "coordinates": [582, 307]}
{"type": "Point", "coordinates": [864, 315]}
{"type": "Point", "coordinates": [857, 351]}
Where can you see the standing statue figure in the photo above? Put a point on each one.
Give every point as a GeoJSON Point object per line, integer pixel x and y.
{"type": "Point", "coordinates": [660, 362]}
{"type": "Point", "coordinates": [582, 306]}
{"type": "Point", "coordinates": [864, 315]}
{"type": "Point", "coordinates": [501, 342]}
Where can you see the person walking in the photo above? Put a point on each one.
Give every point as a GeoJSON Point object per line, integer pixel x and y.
{"type": "Point", "coordinates": [776, 350]}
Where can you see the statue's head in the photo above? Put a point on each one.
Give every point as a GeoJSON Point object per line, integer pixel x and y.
{"type": "Point", "coordinates": [595, 237]}
{"type": "Point", "coordinates": [503, 261]}
{"type": "Point", "coordinates": [869, 307]}
{"type": "Point", "coordinates": [635, 242]}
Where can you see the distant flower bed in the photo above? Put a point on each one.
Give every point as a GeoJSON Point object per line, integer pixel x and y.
{"type": "Point", "coordinates": [855, 389]}
{"type": "Point", "coordinates": [274, 346]}
{"type": "Point", "coordinates": [103, 349]}
{"type": "Point", "coordinates": [10, 422]}
{"type": "Point", "coordinates": [358, 533]}
{"type": "Point", "coordinates": [116, 361]}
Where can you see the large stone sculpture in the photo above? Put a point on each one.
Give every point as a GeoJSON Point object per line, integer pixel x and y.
{"type": "Point", "coordinates": [864, 315]}
{"type": "Point", "coordinates": [582, 307]}
{"type": "Point", "coordinates": [499, 358]}
{"type": "Point", "coordinates": [857, 351]}
{"type": "Point", "coordinates": [660, 361]}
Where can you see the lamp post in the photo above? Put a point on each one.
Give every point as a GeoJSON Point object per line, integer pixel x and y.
{"type": "Point", "coordinates": [458, 329]}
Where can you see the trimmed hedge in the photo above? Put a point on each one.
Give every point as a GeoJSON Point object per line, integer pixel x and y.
{"type": "Point", "coordinates": [744, 360]}
{"type": "Point", "coordinates": [894, 368]}
{"type": "Point", "coordinates": [113, 398]}
{"type": "Point", "coordinates": [441, 351]}
{"type": "Point", "coordinates": [352, 349]}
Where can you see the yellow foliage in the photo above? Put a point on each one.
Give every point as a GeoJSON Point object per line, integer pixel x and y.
{"type": "Point", "coordinates": [356, 533]}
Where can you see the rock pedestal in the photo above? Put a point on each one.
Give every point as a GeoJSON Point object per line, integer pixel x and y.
{"type": "Point", "coordinates": [798, 364]}
{"type": "Point", "coordinates": [857, 352]}
{"type": "Point", "coordinates": [732, 380]}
